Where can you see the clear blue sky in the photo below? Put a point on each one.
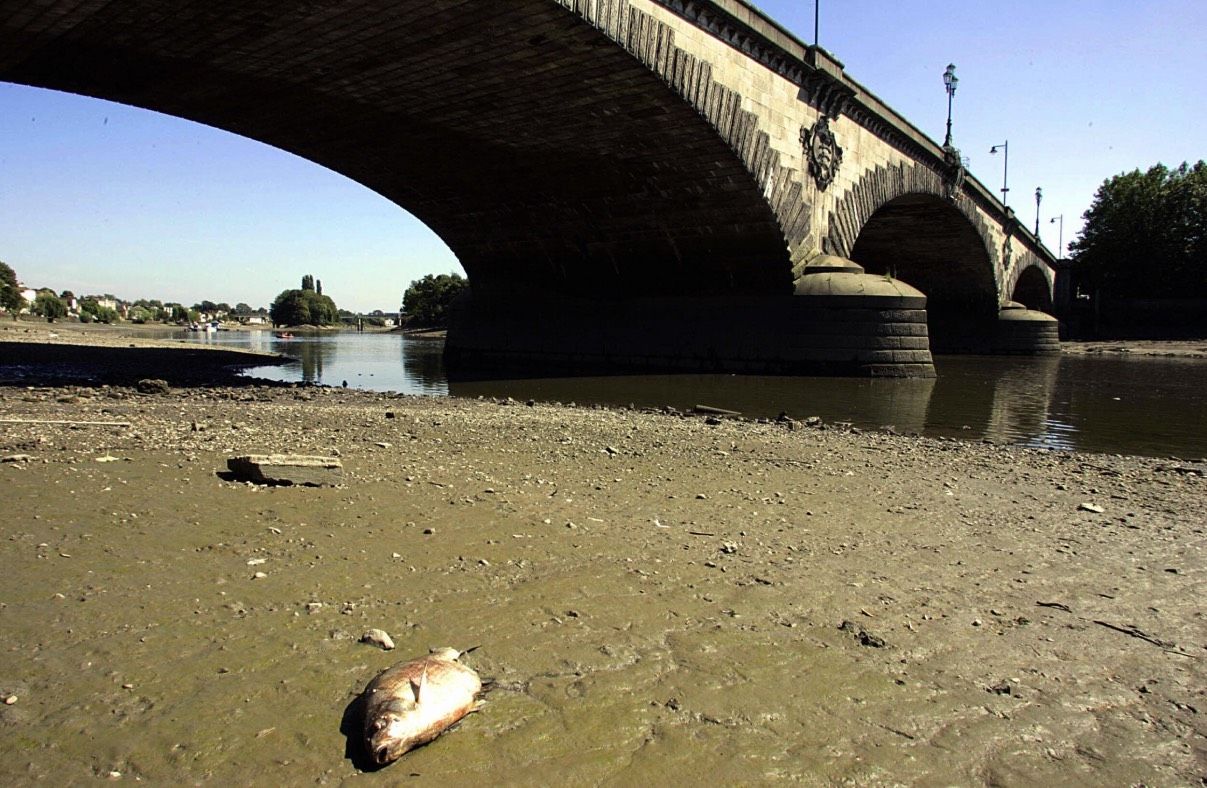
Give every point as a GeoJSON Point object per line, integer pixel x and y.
{"type": "Point", "coordinates": [96, 197]}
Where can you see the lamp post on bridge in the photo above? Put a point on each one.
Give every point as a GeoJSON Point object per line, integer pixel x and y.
{"type": "Point", "coordinates": [1005, 147]}
{"type": "Point", "coordinates": [1060, 247]}
{"type": "Point", "coordinates": [950, 81]}
{"type": "Point", "coordinates": [1039, 195]}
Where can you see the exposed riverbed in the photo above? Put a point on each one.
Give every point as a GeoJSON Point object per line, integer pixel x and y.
{"type": "Point", "coordinates": [660, 598]}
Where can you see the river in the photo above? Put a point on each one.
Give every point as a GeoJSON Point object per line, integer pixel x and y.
{"type": "Point", "coordinates": [1112, 404]}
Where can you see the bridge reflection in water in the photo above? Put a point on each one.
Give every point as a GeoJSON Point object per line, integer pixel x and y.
{"type": "Point", "coordinates": [1153, 406]}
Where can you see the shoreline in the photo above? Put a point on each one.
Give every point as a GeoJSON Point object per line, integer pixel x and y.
{"type": "Point", "coordinates": [658, 596]}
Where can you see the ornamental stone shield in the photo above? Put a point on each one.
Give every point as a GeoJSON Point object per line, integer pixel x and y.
{"type": "Point", "coordinates": [821, 148]}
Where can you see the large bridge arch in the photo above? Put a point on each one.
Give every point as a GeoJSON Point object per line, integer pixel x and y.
{"type": "Point", "coordinates": [555, 146]}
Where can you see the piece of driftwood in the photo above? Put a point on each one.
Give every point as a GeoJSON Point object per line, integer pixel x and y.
{"type": "Point", "coordinates": [287, 469]}
{"type": "Point", "coordinates": [709, 410]}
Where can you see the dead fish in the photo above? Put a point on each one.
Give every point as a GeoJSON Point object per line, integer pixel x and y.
{"type": "Point", "coordinates": [412, 703]}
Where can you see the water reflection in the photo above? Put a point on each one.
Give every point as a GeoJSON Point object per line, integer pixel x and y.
{"type": "Point", "coordinates": [1147, 406]}
{"type": "Point", "coordinates": [365, 361]}
{"type": "Point", "coordinates": [1154, 406]}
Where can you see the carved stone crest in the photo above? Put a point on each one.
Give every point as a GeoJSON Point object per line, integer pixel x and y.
{"type": "Point", "coordinates": [821, 148]}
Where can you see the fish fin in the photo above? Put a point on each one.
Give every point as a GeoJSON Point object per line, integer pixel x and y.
{"type": "Point", "coordinates": [444, 652]}
{"type": "Point", "coordinates": [488, 684]}
{"type": "Point", "coordinates": [478, 704]}
{"type": "Point", "coordinates": [417, 686]}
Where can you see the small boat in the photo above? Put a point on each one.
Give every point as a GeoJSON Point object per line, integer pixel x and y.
{"type": "Point", "coordinates": [283, 335]}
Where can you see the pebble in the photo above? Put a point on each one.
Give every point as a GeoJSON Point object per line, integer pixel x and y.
{"type": "Point", "coordinates": [259, 575]}
{"type": "Point", "coordinates": [379, 638]}
{"type": "Point", "coordinates": [1091, 507]}
{"type": "Point", "coordinates": [10, 700]}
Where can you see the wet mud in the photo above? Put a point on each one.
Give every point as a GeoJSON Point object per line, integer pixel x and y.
{"type": "Point", "coordinates": [658, 598]}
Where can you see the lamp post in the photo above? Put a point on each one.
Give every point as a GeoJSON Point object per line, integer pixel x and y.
{"type": "Point", "coordinates": [950, 80]}
{"type": "Point", "coordinates": [1005, 146]}
{"type": "Point", "coordinates": [816, 20]}
{"type": "Point", "coordinates": [1060, 247]}
{"type": "Point", "coordinates": [1039, 195]}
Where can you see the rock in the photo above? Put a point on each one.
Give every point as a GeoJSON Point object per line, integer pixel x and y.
{"type": "Point", "coordinates": [813, 421]}
{"type": "Point", "coordinates": [287, 469]}
{"type": "Point", "coordinates": [1091, 507]}
{"type": "Point", "coordinates": [16, 458]}
{"type": "Point", "coordinates": [379, 638]}
{"type": "Point", "coordinates": [153, 386]}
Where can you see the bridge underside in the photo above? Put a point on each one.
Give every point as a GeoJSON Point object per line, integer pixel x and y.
{"type": "Point", "coordinates": [602, 219]}
{"type": "Point", "coordinates": [544, 155]}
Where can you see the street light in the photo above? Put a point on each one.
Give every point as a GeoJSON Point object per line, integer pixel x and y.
{"type": "Point", "coordinates": [950, 80]}
{"type": "Point", "coordinates": [1005, 146]}
{"type": "Point", "coordinates": [1060, 247]}
{"type": "Point", "coordinates": [1039, 195]}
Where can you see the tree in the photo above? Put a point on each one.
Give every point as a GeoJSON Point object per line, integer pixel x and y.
{"type": "Point", "coordinates": [140, 314]}
{"type": "Point", "coordinates": [303, 307]}
{"type": "Point", "coordinates": [10, 290]}
{"type": "Point", "coordinates": [308, 282]}
{"type": "Point", "coordinates": [426, 302]}
{"type": "Point", "coordinates": [49, 306]}
{"type": "Point", "coordinates": [242, 310]}
{"type": "Point", "coordinates": [1145, 234]}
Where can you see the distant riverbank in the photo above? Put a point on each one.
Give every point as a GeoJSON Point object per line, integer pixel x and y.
{"type": "Point", "coordinates": [39, 353]}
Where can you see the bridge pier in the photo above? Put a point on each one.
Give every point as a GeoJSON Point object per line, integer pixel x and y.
{"type": "Point", "coordinates": [840, 321]}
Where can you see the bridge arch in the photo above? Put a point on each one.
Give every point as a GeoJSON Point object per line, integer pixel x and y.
{"type": "Point", "coordinates": [556, 146]}
{"type": "Point", "coordinates": [899, 221]}
{"type": "Point", "coordinates": [1032, 286]}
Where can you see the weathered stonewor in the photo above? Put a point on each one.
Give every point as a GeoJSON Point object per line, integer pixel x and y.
{"type": "Point", "coordinates": [1027, 332]}
{"type": "Point", "coordinates": [287, 469]}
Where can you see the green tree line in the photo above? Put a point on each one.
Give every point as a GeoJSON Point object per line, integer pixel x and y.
{"type": "Point", "coordinates": [1145, 234]}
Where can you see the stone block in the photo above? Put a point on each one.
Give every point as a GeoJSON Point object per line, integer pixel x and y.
{"type": "Point", "coordinates": [287, 469]}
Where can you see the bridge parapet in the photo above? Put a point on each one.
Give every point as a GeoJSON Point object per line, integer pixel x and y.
{"type": "Point", "coordinates": [825, 86]}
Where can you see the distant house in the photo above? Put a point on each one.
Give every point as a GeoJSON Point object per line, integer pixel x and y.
{"type": "Point", "coordinates": [254, 320]}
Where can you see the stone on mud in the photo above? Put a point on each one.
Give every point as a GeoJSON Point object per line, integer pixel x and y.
{"type": "Point", "coordinates": [153, 386]}
{"type": "Point", "coordinates": [287, 469]}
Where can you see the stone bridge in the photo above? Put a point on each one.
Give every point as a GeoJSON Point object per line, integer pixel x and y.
{"type": "Point", "coordinates": [627, 183]}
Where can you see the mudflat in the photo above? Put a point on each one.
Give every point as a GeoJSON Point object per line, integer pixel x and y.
{"type": "Point", "coordinates": [660, 597]}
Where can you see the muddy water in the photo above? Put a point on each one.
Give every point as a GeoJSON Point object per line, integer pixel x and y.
{"type": "Point", "coordinates": [1117, 404]}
